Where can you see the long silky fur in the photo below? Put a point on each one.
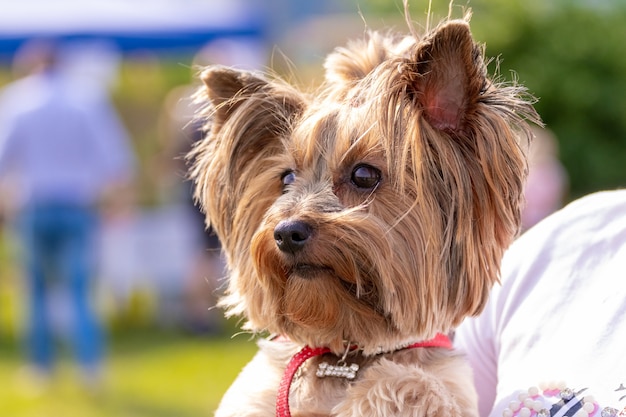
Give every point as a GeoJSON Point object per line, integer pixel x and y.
{"type": "Point", "coordinates": [411, 258]}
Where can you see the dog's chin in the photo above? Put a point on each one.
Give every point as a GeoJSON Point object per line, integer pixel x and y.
{"type": "Point", "coordinates": [310, 271]}
{"type": "Point", "coordinates": [313, 300]}
{"type": "Point", "coordinates": [318, 307]}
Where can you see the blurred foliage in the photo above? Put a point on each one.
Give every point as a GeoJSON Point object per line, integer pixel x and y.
{"type": "Point", "coordinates": [569, 54]}
{"type": "Point", "coordinates": [143, 84]}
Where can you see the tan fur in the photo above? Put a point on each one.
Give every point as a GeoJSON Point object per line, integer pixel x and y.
{"type": "Point", "coordinates": [397, 262]}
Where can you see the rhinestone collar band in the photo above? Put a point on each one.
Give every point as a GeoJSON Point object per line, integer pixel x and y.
{"type": "Point", "coordinates": [341, 369]}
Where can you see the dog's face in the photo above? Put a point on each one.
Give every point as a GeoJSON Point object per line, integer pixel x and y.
{"type": "Point", "coordinates": [375, 211]}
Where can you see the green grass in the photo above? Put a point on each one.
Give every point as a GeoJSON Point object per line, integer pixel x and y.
{"type": "Point", "coordinates": [147, 374]}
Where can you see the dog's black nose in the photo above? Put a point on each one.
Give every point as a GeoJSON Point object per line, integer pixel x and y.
{"type": "Point", "coordinates": [291, 235]}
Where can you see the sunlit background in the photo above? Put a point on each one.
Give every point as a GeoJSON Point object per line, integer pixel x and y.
{"type": "Point", "coordinates": [168, 353]}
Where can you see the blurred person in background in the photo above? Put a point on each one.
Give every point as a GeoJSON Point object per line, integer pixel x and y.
{"type": "Point", "coordinates": [64, 154]}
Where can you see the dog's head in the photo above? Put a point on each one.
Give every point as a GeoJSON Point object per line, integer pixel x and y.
{"type": "Point", "coordinates": [375, 211]}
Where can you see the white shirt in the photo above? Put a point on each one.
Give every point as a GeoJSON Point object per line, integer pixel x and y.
{"type": "Point", "coordinates": [559, 318]}
{"type": "Point", "coordinates": [60, 141]}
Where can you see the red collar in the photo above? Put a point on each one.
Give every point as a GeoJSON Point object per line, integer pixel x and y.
{"type": "Point", "coordinates": [282, 400]}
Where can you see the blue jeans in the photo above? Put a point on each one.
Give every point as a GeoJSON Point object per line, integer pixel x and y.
{"type": "Point", "coordinates": [59, 250]}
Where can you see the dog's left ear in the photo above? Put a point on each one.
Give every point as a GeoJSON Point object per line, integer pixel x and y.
{"type": "Point", "coordinates": [227, 88]}
{"type": "Point", "coordinates": [447, 75]}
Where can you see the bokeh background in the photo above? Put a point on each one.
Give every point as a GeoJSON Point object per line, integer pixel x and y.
{"type": "Point", "coordinates": [168, 352]}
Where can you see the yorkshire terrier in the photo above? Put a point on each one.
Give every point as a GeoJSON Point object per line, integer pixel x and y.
{"type": "Point", "coordinates": [362, 223]}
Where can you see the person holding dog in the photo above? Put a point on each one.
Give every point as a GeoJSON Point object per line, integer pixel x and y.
{"type": "Point", "coordinates": [551, 340]}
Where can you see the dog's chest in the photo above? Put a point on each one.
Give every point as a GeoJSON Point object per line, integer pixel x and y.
{"type": "Point", "coordinates": [315, 392]}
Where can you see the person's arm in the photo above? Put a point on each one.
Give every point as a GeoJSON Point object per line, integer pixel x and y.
{"type": "Point", "coordinates": [475, 337]}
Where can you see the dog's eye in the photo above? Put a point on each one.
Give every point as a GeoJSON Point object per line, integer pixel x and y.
{"type": "Point", "coordinates": [365, 176]}
{"type": "Point", "coordinates": [288, 178]}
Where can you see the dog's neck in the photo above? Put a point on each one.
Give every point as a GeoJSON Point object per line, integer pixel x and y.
{"type": "Point", "coordinates": [440, 340]}
{"type": "Point", "coordinates": [342, 369]}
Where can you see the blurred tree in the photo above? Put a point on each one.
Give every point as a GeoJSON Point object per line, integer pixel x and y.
{"type": "Point", "coordinates": [570, 58]}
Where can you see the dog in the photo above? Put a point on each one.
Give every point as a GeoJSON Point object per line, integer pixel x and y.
{"type": "Point", "coordinates": [363, 222]}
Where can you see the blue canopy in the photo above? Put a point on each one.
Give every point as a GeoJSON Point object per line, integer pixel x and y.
{"type": "Point", "coordinates": [158, 25]}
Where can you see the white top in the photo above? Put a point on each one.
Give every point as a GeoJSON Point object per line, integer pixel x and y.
{"type": "Point", "coordinates": [559, 318]}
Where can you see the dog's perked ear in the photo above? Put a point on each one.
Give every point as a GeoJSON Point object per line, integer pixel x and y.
{"type": "Point", "coordinates": [465, 157]}
{"type": "Point", "coordinates": [348, 65]}
{"type": "Point", "coordinates": [449, 75]}
{"type": "Point", "coordinates": [227, 88]}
